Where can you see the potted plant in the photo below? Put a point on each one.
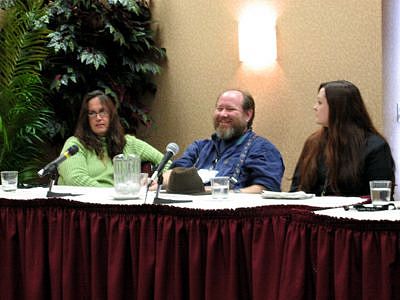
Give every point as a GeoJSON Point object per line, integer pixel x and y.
{"type": "Point", "coordinates": [107, 45]}
{"type": "Point", "coordinates": [24, 116]}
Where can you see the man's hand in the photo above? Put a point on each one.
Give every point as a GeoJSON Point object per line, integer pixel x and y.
{"type": "Point", "coordinates": [253, 189]}
{"type": "Point", "coordinates": [154, 184]}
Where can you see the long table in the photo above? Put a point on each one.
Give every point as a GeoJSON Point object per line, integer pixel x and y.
{"type": "Point", "coordinates": [73, 249]}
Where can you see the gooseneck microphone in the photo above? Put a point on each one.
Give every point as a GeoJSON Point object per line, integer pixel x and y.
{"type": "Point", "coordinates": [50, 167]}
{"type": "Point", "coordinates": [172, 149]}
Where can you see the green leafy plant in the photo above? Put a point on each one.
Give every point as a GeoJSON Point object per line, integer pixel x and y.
{"type": "Point", "coordinates": [24, 116]}
{"type": "Point", "coordinates": [102, 44]}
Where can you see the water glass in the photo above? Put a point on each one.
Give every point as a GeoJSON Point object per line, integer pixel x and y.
{"type": "Point", "coordinates": [9, 180]}
{"type": "Point", "coordinates": [143, 181]}
{"type": "Point", "coordinates": [220, 187]}
{"type": "Point", "coordinates": [380, 191]}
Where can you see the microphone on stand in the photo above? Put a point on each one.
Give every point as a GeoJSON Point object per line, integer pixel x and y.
{"type": "Point", "coordinates": [50, 167]}
{"type": "Point", "coordinates": [172, 149]}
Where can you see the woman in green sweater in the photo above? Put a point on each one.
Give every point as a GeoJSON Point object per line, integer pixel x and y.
{"type": "Point", "coordinates": [99, 137]}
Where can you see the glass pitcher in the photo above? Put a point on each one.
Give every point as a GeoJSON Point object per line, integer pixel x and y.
{"type": "Point", "coordinates": [127, 174]}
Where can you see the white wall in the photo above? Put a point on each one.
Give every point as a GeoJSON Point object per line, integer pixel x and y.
{"type": "Point", "coordinates": [391, 79]}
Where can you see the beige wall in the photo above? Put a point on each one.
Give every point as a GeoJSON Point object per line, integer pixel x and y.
{"type": "Point", "coordinates": [318, 40]}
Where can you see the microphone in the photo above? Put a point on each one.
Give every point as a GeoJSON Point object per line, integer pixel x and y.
{"type": "Point", "coordinates": [50, 167]}
{"type": "Point", "coordinates": [172, 149]}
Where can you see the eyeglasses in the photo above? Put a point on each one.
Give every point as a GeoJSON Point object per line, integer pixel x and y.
{"type": "Point", "coordinates": [93, 114]}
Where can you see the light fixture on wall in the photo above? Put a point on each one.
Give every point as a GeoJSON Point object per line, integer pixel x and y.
{"type": "Point", "coordinates": [257, 36]}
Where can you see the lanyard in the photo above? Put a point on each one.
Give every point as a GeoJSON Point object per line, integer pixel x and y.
{"type": "Point", "coordinates": [235, 177]}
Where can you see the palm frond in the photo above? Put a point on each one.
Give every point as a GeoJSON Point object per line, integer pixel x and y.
{"type": "Point", "coordinates": [23, 114]}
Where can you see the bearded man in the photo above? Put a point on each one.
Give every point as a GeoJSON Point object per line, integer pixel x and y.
{"type": "Point", "coordinates": [234, 150]}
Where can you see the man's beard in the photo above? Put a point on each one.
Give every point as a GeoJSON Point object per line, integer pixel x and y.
{"type": "Point", "coordinates": [231, 132]}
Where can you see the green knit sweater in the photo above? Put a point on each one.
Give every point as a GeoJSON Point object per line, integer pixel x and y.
{"type": "Point", "coordinates": [85, 168]}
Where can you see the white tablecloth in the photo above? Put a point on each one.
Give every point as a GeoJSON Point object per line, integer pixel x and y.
{"type": "Point", "coordinates": [235, 200]}
{"type": "Point", "coordinates": [389, 215]}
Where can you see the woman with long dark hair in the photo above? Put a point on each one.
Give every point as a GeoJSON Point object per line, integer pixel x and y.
{"type": "Point", "coordinates": [347, 152]}
{"type": "Point", "coordinates": [99, 136]}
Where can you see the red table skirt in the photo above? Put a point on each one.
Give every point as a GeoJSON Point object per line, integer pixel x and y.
{"type": "Point", "coordinates": [60, 249]}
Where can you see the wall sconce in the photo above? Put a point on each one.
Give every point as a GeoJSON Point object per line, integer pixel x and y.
{"type": "Point", "coordinates": [257, 36]}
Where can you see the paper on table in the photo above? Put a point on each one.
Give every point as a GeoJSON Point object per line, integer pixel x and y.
{"type": "Point", "coordinates": [286, 195]}
{"type": "Point", "coordinates": [206, 175]}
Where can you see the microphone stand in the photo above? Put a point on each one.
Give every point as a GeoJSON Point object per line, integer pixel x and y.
{"type": "Point", "coordinates": [158, 200]}
{"type": "Point", "coordinates": [53, 178]}
{"type": "Point", "coordinates": [159, 184]}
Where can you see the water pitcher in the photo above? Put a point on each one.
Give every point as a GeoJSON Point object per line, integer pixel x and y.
{"type": "Point", "coordinates": [127, 174]}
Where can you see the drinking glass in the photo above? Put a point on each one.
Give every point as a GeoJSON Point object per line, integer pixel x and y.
{"type": "Point", "coordinates": [9, 180]}
{"type": "Point", "coordinates": [380, 191]}
{"type": "Point", "coordinates": [220, 187]}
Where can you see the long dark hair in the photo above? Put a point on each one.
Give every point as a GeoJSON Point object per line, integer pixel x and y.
{"type": "Point", "coordinates": [115, 138]}
{"type": "Point", "coordinates": [339, 145]}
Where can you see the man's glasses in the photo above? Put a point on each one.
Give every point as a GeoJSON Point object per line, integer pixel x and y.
{"type": "Point", "coordinates": [93, 114]}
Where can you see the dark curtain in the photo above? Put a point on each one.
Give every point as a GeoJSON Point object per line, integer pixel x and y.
{"type": "Point", "coordinates": [60, 249]}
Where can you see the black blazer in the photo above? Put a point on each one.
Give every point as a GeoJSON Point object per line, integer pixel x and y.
{"type": "Point", "coordinates": [378, 165]}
